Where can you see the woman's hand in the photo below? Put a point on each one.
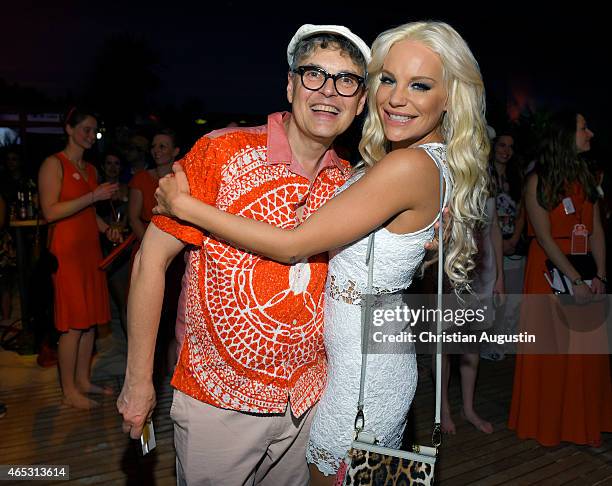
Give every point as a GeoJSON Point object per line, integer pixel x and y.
{"type": "Point", "coordinates": [434, 243]}
{"type": "Point", "coordinates": [113, 234]}
{"type": "Point", "coordinates": [499, 290]}
{"type": "Point", "coordinates": [171, 188]}
{"type": "Point", "coordinates": [509, 247]}
{"type": "Point", "coordinates": [597, 286]}
{"type": "Point", "coordinates": [582, 293]}
{"type": "Point", "coordinates": [105, 191]}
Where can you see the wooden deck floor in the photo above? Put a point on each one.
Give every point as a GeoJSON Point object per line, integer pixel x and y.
{"type": "Point", "coordinates": [37, 430]}
{"type": "Point", "coordinates": [473, 458]}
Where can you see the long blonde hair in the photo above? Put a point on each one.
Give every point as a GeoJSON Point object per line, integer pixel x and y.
{"type": "Point", "coordinates": [463, 130]}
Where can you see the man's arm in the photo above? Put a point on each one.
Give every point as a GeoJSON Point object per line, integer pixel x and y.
{"type": "Point", "coordinates": [137, 399]}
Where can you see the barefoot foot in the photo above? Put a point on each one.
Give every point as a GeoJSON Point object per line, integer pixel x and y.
{"type": "Point", "coordinates": [446, 423]}
{"type": "Point", "coordinates": [96, 389]}
{"type": "Point", "coordinates": [79, 401]}
{"type": "Point", "coordinates": [480, 424]}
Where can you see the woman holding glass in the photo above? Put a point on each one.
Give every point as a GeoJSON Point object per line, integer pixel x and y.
{"type": "Point", "coordinates": [68, 193]}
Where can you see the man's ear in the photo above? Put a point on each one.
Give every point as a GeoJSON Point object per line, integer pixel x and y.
{"type": "Point", "coordinates": [290, 87]}
{"type": "Point", "coordinates": [362, 101]}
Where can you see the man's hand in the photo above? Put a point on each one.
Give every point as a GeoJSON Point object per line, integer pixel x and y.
{"type": "Point", "coordinates": [433, 244]}
{"type": "Point", "coordinates": [137, 399]}
{"type": "Point", "coordinates": [136, 403]}
{"type": "Point", "coordinates": [171, 188]}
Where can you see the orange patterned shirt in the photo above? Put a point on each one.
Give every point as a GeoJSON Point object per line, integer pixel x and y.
{"type": "Point", "coordinates": [253, 327]}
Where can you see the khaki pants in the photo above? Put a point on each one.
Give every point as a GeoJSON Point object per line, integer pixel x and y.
{"type": "Point", "coordinates": [218, 447]}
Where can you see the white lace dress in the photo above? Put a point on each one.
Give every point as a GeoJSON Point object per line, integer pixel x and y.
{"type": "Point", "coordinates": [391, 378]}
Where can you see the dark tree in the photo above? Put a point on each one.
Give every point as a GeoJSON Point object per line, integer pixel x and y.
{"type": "Point", "coordinates": [124, 79]}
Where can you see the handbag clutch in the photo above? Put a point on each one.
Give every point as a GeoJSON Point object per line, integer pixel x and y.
{"type": "Point", "coordinates": [561, 283]}
{"type": "Point", "coordinates": [372, 465]}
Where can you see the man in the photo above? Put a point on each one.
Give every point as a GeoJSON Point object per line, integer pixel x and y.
{"type": "Point", "coordinates": [252, 366]}
{"type": "Point", "coordinates": [136, 153]}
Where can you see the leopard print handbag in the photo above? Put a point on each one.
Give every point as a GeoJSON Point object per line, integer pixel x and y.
{"type": "Point", "coordinates": [368, 464]}
{"type": "Point", "coordinates": [371, 465]}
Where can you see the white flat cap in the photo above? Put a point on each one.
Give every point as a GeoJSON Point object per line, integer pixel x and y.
{"type": "Point", "coordinates": [308, 30]}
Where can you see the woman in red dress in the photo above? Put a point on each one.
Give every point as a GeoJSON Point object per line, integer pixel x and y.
{"type": "Point", "coordinates": [561, 397]}
{"type": "Point", "coordinates": [68, 191]}
{"type": "Point", "coordinates": [142, 186]}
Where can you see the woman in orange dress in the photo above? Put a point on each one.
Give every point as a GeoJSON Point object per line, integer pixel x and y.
{"type": "Point", "coordinates": [68, 191]}
{"type": "Point", "coordinates": [142, 186]}
{"type": "Point", "coordinates": [561, 397]}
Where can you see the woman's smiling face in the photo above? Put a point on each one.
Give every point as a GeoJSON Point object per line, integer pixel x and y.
{"type": "Point", "coordinates": [411, 99]}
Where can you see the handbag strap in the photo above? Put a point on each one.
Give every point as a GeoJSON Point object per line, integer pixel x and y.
{"type": "Point", "coordinates": [366, 316]}
{"type": "Point", "coordinates": [436, 436]}
{"type": "Point", "coordinates": [365, 321]}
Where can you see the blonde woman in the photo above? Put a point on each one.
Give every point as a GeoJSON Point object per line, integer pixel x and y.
{"type": "Point", "coordinates": [426, 114]}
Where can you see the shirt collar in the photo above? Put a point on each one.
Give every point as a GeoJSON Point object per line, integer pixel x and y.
{"type": "Point", "coordinates": [279, 150]}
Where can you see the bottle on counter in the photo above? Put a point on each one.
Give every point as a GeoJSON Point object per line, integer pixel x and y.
{"type": "Point", "coordinates": [22, 210]}
{"type": "Point", "coordinates": [30, 206]}
{"type": "Point", "coordinates": [35, 201]}
{"type": "Point", "coordinates": [13, 211]}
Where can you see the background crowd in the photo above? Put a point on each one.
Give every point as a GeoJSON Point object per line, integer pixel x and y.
{"type": "Point", "coordinates": [122, 171]}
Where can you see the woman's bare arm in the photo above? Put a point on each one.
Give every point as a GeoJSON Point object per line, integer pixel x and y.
{"type": "Point", "coordinates": [50, 185]}
{"type": "Point", "coordinates": [498, 245]}
{"type": "Point", "coordinates": [405, 179]}
{"type": "Point", "coordinates": [540, 220]}
{"type": "Point", "coordinates": [597, 241]}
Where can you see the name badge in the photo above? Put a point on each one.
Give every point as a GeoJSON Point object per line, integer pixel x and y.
{"type": "Point", "coordinates": [580, 240]}
{"type": "Point", "coordinates": [568, 206]}
{"type": "Point", "coordinates": [147, 439]}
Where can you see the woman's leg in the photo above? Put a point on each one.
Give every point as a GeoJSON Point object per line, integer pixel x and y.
{"type": "Point", "coordinates": [317, 478]}
{"type": "Point", "coordinates": [67, 354]}
{"type": "Point", "coordinates": [447, 424]}
{"type": "Point", "coordinates": [469, 371]}
{"type": "Point", "coordinates": [83, 365]}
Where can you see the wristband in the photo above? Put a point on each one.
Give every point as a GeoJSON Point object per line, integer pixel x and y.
{"type": "Point", "coordinates": [603, 279]}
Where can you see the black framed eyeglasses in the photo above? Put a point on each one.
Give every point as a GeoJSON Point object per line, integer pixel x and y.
{"type": "Point", "coordinates": [314, 78]}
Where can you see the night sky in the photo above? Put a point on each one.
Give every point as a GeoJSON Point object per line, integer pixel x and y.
{"type": "Point", "coordinates": [232, 56]}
